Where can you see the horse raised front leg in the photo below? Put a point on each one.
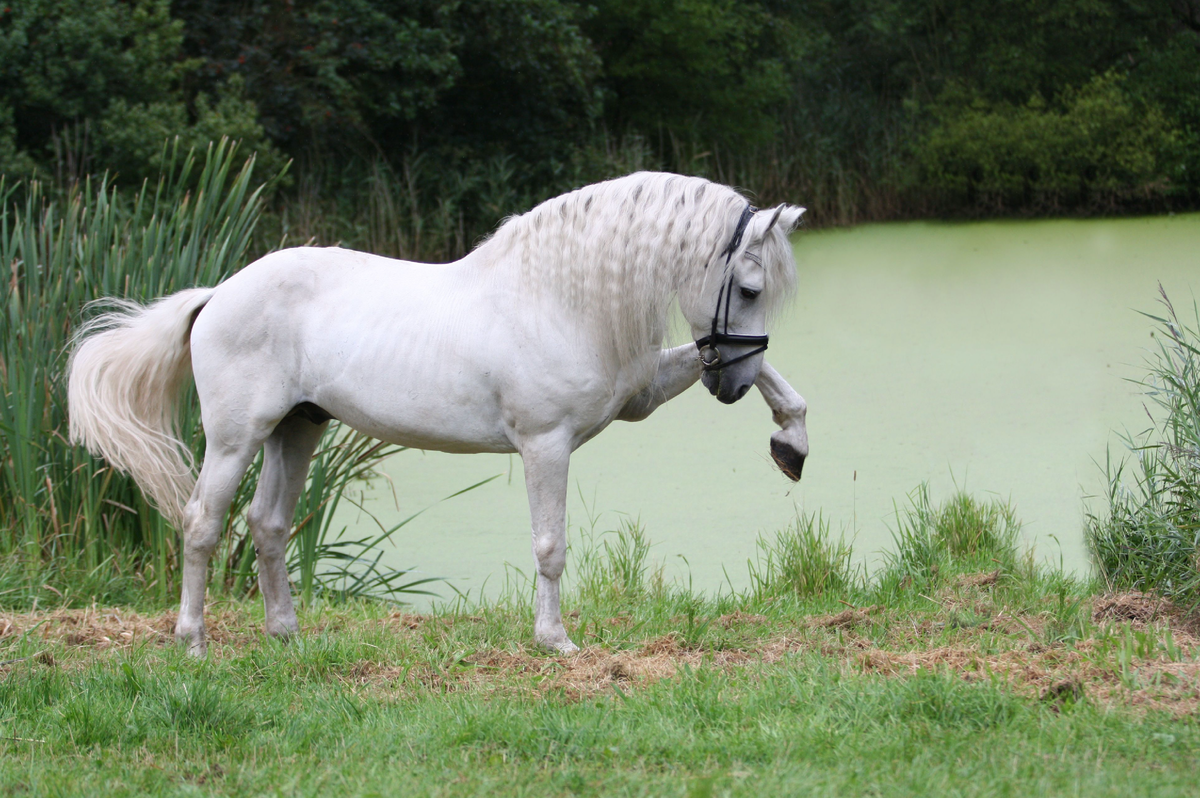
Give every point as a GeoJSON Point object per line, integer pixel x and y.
{"type": "Point", "coordinates": [546, 481]}
{"type": "Point", "coordinates": [789, 446]}
{"type": "Point", "coordinates": [286, 457]}
{"type": "Point", "coordinates": [678, 370]}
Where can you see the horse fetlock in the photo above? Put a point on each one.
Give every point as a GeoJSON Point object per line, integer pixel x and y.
{"type": "Point", "coordinates": [200, 543]}
{"type": "Point", "coordinates": [190, 635]}
{"type": "Point", "coordinates": [267, 530]}
{"type": "Point", "coordinates": [551, 559]}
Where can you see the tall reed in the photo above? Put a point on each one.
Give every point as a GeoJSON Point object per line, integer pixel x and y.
{"type": "Point", "coordinates": [58, 505]}
{"type": "Point", "coordinates": [193, 227]}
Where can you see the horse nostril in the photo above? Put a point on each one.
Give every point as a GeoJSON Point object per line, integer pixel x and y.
{"type": "Point", "coordinates": [742, 391]}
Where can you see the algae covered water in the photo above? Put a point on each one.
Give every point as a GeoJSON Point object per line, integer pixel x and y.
{"type": "Point", "coordinates": [994, 357]}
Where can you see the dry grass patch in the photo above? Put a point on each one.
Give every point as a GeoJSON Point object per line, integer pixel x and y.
{"type": "Point", "coordinates": [978, 580]}
{"type": "Point", "coordinates": [1014, 647]}
{"type": "Point", "coordinates": [738, 618]}
{"type": "Point", "coordinates": [93, 627]}
{"type": "Point", "coordinates": [1133, 606]}
{"type": "Point", "coordinates": [846, 619]}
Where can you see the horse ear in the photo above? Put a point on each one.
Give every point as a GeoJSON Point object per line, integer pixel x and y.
{"type": "Point", "coordinates": [787, 217]}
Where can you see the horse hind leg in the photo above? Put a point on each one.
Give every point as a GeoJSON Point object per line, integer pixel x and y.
{"type": "Point", "coordinates": [224, 466]}
{"type": "Point", "coordinates": [286, 457]}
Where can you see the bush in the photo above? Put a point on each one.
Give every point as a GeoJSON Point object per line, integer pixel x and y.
{"type": "Point", "coordinates": [94, 86]}
{"type": "Point", "coordinates": [1150, 537]}
{"type": "Point", "coordinates": [1096, 148]}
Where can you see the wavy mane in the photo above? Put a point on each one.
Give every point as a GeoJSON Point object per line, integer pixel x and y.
{"type": "Point", "coordinates": [618, 252]}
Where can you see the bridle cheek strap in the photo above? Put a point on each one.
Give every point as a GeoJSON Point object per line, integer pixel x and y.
{"type": "Point", "coordinates": [709, 342]}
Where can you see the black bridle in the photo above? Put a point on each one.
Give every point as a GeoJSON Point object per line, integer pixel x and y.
{"type": "Point", "coordinates": [709, 354]}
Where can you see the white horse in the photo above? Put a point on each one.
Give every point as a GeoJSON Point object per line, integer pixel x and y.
{"type": "Point", "coordinates": [533, 343]}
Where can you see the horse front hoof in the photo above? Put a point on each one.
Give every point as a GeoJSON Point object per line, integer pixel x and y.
{"type": "Point", "coordinates": [559, 644]}
{"type": "Point", "coordinates": [195, 646]}
{"type": "Point", "coordinates": [790, 461]}
{"type": "Point", "coordinates": [192, 640]}
{"type": "Point", "coordinates": [282, 630]}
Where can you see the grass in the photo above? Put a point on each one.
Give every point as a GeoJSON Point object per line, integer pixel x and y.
{"type": "Point", "coordinates": [803, 560]}
{"type": "Point", "coordinates": [983, 683]}
{"type": "Point", "coordinates": [963, 534]}
{"type": "Point", "coordinates": [1149, 538]}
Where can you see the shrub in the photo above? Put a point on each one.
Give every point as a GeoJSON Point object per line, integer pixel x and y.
{"type": "Point", "coordinates": [1096, 147]}
{"type": "Point", "coordinates": [1150, 537]}
{"type": "Point", "coordinates": [97, 85]}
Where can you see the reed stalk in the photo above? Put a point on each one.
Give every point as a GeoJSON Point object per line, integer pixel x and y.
{"type": "Point", "coordinates": [64, 249]}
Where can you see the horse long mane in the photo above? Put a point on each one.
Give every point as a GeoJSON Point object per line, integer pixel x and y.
{"type": "Point", "coordinates": [617, 252]}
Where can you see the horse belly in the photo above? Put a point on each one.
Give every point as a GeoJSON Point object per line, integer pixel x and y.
{"type": "Point", "coordinates": [442, 415]}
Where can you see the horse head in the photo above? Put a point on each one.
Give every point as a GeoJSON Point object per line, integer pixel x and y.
{"type": "Point", "coordinates": [729, 323]}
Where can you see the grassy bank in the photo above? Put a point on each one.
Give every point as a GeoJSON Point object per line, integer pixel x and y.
{"type": "Point", "coordinates": [955, 677]}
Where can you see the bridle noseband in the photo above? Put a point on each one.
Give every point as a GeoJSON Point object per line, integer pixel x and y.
{"type": "Point", "coordinates": [709, 354]}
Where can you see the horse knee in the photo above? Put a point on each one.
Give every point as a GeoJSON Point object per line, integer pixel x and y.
{"type": "Point", "coordinates": [551, 556]}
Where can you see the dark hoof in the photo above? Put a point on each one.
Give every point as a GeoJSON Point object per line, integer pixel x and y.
{"type": "Point", "coordinates": [790, 462]}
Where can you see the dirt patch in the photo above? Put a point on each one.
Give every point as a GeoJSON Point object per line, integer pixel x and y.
{"type": "Point", "coordinates": [98, 628]}
{"type": "Point", "coordinates": [846, 619]}
{"type": "Point", "coordinates": [978, 580]}
{"type": "Point", "coordinates": [1024, 655]}
{"type": "Point", "coordinates": [739, 618]}
{"type": "Point", "coordinates": [105, 628]}
{"type": "Point", "coordinates": [1140, 609]}
{"type": "Point", "coordinates": [594, 670]}
{"type": "Point", "coordinates": [1132, 606]}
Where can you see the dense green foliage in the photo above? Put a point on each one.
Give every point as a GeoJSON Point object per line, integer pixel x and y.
{"type": "Point", "coordinates": [863, 109]}
{"type": "Point", "coordinates": [1148, 536]}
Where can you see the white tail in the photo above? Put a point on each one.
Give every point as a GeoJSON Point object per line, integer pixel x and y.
{"type": "Point", "coordinates": [127, 369]}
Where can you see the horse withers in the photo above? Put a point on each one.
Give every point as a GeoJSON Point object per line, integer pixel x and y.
{"type": "Point", "coordinates": [533, 343]}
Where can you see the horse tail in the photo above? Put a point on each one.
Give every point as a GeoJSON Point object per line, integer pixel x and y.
{"type": "Point", "coordinates": [127, 369]}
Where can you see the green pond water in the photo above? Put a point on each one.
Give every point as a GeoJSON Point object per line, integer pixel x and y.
{"type": "Point", "coordinates": [991, 356]}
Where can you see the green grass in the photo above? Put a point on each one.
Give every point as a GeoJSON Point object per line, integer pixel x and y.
{"type": "Point", "coordinates": [1149, 537]}
{"type": "Point", "coordinates": [803, 560]}
{"type": "Point", "coordinates": [982, 683]}
{"type": "Point", "coordinates": [372, 708]}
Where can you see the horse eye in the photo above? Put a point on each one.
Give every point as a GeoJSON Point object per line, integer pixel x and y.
{"type": "Point", "coordinates": [749, 293]}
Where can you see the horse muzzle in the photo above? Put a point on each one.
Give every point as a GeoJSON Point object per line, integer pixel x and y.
{"type": "Point", "coordinates": [726, 385]}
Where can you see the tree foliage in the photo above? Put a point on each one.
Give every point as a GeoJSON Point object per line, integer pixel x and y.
{"type": "Point", "coordinates": [1093, 145]}
{"type": "Point", "coordinates": [97, 84]}
{"type": "Point", "coordinates": [986, 105]}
